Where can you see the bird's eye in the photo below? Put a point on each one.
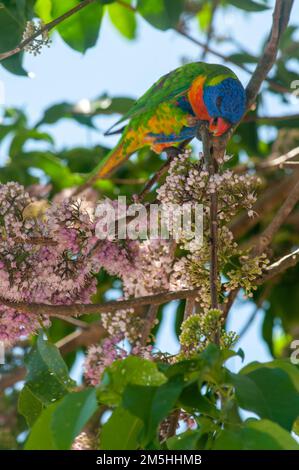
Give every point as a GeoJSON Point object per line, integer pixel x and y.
{"type": "Point", "coordinates": [218, 102]}
{"type": "Point", "coordinates": [215, 121]}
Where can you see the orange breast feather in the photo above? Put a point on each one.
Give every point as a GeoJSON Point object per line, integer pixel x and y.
{"type": "Point", "coordinates": [195, 96]}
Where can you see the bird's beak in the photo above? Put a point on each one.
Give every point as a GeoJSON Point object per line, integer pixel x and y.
{"type": "Point", "coordinates": [219, 126]}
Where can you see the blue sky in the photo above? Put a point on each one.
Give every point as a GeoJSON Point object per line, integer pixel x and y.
{"type": "Point", "coordinates": [120, 67]}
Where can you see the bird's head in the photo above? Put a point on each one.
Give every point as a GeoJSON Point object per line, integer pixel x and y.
{"type": "Point", "coordinates": [225, 101]}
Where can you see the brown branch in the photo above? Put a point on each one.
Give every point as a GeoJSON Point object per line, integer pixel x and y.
{"type": "Point", "coordinates": [210, 31]}
{"type": "Point", "coordinates": [288, 261]}
{"type": "Point", "coordinates": [281, 17]}
{"type": "Point", "coordinates": [258, 306]}
{"type": "Point", "coordinates": [149, 323]}
{"type": "Point", "coordinates": [268, 234]}
{"type": "Point", "coordinates": [112, 306]}
{"type": "Point", "coordinates": [268, 200]}
{"type": "Point", "coordinates": [155, 178]}
{"type": "Point", "coordinates": [210, 164]}
{"type": "Point", "coordinates": [189, 307]}
{"type": "Point", "coordinates": [270, 119]}
{"type": "Point", "coordinates": [46, 28]}
{"type": "Point", "coordinates": [270, 163]}
{"type": "Point", "coordinates": [87, 337]}
{"type": "Point", "coordinates": [275, 86]}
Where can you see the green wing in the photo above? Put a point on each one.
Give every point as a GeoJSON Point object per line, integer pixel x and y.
{"type": "Point", "coordinates": [170, 86]}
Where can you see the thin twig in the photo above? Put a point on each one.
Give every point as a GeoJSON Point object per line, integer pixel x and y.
{"type": "Point", "coordinates": [257, 308]}
{"type": "Point", "coordinates": [281, 15]}
{"type": "Point", "coordinates": [210, 164]}
{"type": "Point", "coordinates": [189, 307]}
{"type": "Point", "coordinates": [210, 31]}
{"type": "Point", "coordinates": [274, 85]}
{"type": "Point", "coordinates": [268, 201]}
{"type": "Point", "coordinates": [267, 236]}
{"type": "Point", "coordinates": [46, 28]}
{"type": "Point", "coordinates": [149, 323]}
{"type": "Point", "coordinates": [73, 321]}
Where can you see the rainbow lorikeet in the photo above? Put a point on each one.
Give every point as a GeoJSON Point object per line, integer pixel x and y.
{"type": "Point", "coordinates": [168, 113]}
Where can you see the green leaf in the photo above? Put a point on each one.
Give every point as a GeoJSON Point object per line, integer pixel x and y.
{"type": "Point", "coordinates": [22, 136]}
{"type": "Point", "coordinates": [43, 10]}
{"type": "Point", "coordinates": [243, 58]}
{"type": "Point", "coordinates": [14, 64]}
{"type": "Point", "coordinates": [81, 30]}
{"type": "Point", "coordinates": [269, 392]}
{"type": "Point", "coordinates": [54, 168]}
{"type": "Point", "coordinates": [13, 18]}
{"type": "Point", "coordinates": [29, 406]}
{"type": "Point", "coordinates": [48, 378]}
{"type": "Point", "coordinates": [204, 16]}
{"type": "Point", "coordinates": [41, 437]}
{"type": "Point", "coordinates": [248, 5]}
{"type": "Point", "coordinates": [12, 26]}
{"type": "Point", "coordinates": [191, 399]}
{"type": "Point", "coordinates": [71, 415]}
{"type": "Point", "coordinates": [123, 19]}
{"type": "Point", "coordinates": [256, 435]}
{"type": "Point", "coordinates": [162, 14]}
{"type": "Point", "coordinates": [65, 111]}
{"type": "Point", "coordinates": [121, 431]}
{"type": "Point", "coordinates": [152, 404]}
{"type": "Point", "coordinates": [186, 441]}
{"type": "Point", "coordinates": [132, 370]}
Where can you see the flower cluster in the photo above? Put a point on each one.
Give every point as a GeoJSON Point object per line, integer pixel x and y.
{"type": "Point", "coordinates": [153, 261]}
{"type": "Point", "coordinates": [199, 330]}
{"type": "Point", "coordinates": [190, 182]}
{"type": "Point", "coordinates": [48, 254]}
{"type": "Point", "coordinates": [35, 45]}
{"type": "Point", "coordinates": [85, 441]}
{"type": "Point", "coordinates": [101, 356]}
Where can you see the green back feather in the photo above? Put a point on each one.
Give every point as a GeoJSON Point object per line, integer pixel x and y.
{"type": "Point", "coordinates": [173, 85]}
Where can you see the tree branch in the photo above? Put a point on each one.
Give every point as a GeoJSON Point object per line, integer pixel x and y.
{"type": "Point", "coordinates": [46, 28]}
{"type": "Point", "coordinates": [210, 164]}
{"type": "Point", "coordinates": [281, 17]}
{"type": "Point", "coordinates": [268, 234]}
{"type": "Point", "coordinates": [112, 306]}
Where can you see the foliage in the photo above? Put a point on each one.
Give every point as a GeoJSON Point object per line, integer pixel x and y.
{"type": "Point", "coordinates": [143, 397]}
{"type": "Point", "coordinates": [130, 397]}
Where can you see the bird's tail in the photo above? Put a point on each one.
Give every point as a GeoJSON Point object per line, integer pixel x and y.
{"type": "Point", "coordinates": [108, 165]}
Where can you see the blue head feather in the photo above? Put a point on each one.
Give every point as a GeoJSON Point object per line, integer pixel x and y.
{"type": "Point", "coordinates": [227, 100]}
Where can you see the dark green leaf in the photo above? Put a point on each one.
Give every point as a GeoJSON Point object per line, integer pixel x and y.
{"type": "Point", "coordinates": [163, 14]}
{"type": "Point", "coordinates": [248, 5]}
{"type": "Point", "coordinates": [48, 377]}
{"type": "Point", "coordinates": [71, 415]}
{"type": "Point", "coordinates": [29, 405]}
{"type": "Point", "coordinates": [185, 441]}
{"type": "Point", "coordinates": [132, 370]}
{"type": "Point", "coordinates": [121, 431]}
{"type": "Point", "coordinates": [41, 437]}
{"type": "Point", "coordinates": [24, 135]}
{"type": "Point", "coordinates": [81, 30]}
{"type": "Point", "coordinates": [269, 392]}
{"type": "Point", "coordinates": [152, 404]}
{"type": "Point", "coordinates": [256, 435]}
{"type": "Point", "coordinates": [14, 64]}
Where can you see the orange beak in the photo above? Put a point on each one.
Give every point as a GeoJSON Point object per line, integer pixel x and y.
{"type": "Point", "coordinates": [219, 126]}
